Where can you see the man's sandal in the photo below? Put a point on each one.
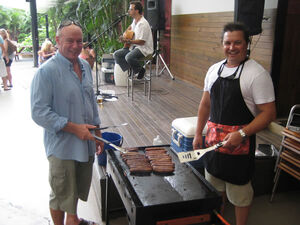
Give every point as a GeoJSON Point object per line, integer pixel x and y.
{"type": "Point", "coordinates": [85, 222]}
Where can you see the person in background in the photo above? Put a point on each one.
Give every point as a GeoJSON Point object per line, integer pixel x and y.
{"type": "Point", "coordinates": [64, 104]}
{"type": "Point", "coordinates": [140, 46]}
{"type": "Point", "coordinates": [47, 51]}
{"type": "Point", "coordinates": [88, 54]}
{"type": "Point", "coordinates": [11, 55]}
{"type": "Point", "coordinates": [238, 101]}
{"type": "Point", "coordinates": [3, 59]}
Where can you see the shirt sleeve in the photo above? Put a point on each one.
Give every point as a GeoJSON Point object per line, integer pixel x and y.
{"type": "Point", "coordinates": [96, 119]}
{"type": "Point", "coordinates": [42, 104]}
{"type": "Point", "coordinates": [210, 78]}
{"type": "Point", "coordinates": [262, 89]}
{"type": "Point", "coordinates": [141, 32]}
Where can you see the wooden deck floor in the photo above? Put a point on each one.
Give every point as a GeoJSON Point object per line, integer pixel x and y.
{"type": "Point", "coordinates": [170, 99]}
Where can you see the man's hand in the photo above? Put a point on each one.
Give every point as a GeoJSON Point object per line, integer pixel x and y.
{"type": "Point", "coordinates": [80, 130]}
{"type": "Point", "coordinates": [99, 144]}
{"type": "Point", "coordinates": [121, 38]}
{"type": "Point", "coordinates": [233, 140]}
{"type": "Point", "coordinates": [197, 142]}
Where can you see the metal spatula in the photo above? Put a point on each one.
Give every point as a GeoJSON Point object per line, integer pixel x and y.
{"type": "Point", "coordinates": [110, 144]}
{"type": "Point", "coordinates": [197, 154]}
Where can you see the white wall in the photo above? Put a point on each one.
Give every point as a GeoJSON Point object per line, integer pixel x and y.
{"type": "Point", "coordinates": [180, 7]}
{"type": "Point", "coordinates": [271, 4]}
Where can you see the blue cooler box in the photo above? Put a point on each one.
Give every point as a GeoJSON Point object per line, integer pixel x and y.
{"type": "Point", "coordinates": [183, 132]}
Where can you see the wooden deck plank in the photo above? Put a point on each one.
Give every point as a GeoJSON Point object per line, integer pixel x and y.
{"type": "Point", "coordinates": [146, 119]}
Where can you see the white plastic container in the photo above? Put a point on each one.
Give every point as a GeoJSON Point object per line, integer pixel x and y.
{"type": "Point", "coordinates": [183, 132]}
{"type": "Point", "coordinates": [120, 76]}
{"type": "Point", "coordinates": [157, 141]}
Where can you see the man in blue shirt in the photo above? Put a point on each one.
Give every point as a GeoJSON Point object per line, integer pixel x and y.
{"type": "Point", "coordinates": [63, 103]}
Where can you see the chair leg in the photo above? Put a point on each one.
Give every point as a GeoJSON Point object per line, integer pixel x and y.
{"type": "Point", "coordinates": [128, 82]}
{"type": "Point", "coordinates": [132, 83]}
{"type": "Point", "coordinates": [145, 78]}
{"type": "Point", "coordinates": [149, 85]}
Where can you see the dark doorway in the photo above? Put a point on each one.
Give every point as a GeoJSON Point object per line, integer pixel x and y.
{"type": "Point", "coordinates": [285, 69]}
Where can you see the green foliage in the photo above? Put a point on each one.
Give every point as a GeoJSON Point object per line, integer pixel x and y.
{"type": "Point", "coordinates": [95, 16]}
{"type": "Point", "coordinates": [14, 21]}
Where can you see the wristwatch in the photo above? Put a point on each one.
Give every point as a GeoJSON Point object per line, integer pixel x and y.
{"type": "Point", "coordinates": [242, 133]}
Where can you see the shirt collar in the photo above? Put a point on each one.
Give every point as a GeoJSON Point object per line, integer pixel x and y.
{"type": "Point", "coordinates": [67, 62]}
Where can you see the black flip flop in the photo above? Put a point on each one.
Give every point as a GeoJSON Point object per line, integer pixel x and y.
{"type": "Point", "coordinates": [85, 222]}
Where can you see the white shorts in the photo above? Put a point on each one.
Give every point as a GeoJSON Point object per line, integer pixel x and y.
{"type": "Point", "coordinates": [3, 72]}
{"type": "Point", "coordinates": [238, 195]}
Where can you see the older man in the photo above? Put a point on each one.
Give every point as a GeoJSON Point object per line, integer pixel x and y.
{"type": "Point", "coordinates": [63, 103]}
{"type": "Point", "coordinates": [238, 101]}
{"type": "Point", "coordinates": [140, 46]}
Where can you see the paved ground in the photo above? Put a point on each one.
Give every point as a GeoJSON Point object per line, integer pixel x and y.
{"type": "Point", "coordinates": [23, 165]}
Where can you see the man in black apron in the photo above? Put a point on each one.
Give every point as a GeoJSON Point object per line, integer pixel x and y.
{"type": "Point", "coordinates": [238, 101]}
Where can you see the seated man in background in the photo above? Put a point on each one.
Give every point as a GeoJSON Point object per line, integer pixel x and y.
{"type": "Point", "coordinates": [140, 46]}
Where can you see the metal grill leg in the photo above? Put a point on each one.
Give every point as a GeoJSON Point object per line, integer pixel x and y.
{"type": "Point", "coordinates": [107, 199]}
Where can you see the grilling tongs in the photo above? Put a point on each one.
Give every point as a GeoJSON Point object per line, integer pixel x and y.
{"type": "Point", "coordinates": [110, 144]}
{"type": "Point", "coordinates": [197, 154]}
{"type": "Point", "coordinates": [103, 128]}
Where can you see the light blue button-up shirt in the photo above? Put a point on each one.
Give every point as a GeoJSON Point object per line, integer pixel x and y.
{"type": "Point", "coordinates": [58, 97]}
{"type": "Point", "coordinates": [1, 42]}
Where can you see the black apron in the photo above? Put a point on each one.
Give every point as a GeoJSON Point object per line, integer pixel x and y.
{"type": "Point", "coordinates": [229, 113]}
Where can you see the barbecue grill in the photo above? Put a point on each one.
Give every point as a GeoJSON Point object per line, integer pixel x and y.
{"type": "Point", "coordinates": [162, 199]}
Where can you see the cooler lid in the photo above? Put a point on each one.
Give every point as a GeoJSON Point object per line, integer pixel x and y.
{"type": "Point", "coordinates": [187, 126]}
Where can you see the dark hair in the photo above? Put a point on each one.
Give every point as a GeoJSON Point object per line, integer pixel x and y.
{"type": "Point", "coordinates": [237, 26]}
{"type": "Point", "coordinates": [137, 6]}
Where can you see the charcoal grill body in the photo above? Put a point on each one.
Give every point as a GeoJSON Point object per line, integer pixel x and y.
{"type": "Point", "coordinates": [152, 198]}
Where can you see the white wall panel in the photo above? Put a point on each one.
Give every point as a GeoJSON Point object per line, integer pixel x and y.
{"type": "Point", "coordinates": [180, 7]}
